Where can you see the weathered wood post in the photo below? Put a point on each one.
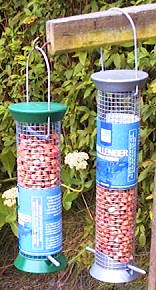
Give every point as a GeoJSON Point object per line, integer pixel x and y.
{"type": "Point", "coordinates": [152, 268]}
{"type": "Point", "coordinates": [100, 28]}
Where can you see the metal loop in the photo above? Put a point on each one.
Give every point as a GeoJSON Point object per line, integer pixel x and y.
{"type": "Point", "coordinates": [40, 50]}
{"type": "Point", "coordinates": [35, 41]}
{"type": "Point", "coordinates": [102, 58]}
{"type": "Point", "coordinates": [134, 38]}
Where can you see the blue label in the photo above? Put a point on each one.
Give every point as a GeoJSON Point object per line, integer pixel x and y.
{"type": "Point", "coordinates": [40, 221]}
{"type": "Point", "coordinates": [117, 154]}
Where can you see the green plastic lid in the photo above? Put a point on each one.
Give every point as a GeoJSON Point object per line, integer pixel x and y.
{"type": "Point", "coordinates": [37, 112]}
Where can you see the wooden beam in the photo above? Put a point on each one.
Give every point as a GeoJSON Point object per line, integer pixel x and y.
{"type": "Point", "coordinates": [100, 28]}
{"type": "Point", "coordinates": [152, 268]}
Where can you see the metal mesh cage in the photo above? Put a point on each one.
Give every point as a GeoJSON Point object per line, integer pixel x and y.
{"type": "Point", "coordinates": [118, 116]}
{"type": "Point", "coordinates": [115, 226]}
{"type": "Point", "coordinates": [118, 107]}
{"type": "Point", "coordinates": [38, 155]}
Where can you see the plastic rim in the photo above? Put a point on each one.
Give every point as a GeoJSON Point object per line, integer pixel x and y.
{"type": "Point", "coordinates": [119, 80]}
{"type": "Point", "coordinates": [112, 275]}
{"type": "Point", "coordinates": [38, 265]}
{"type": "Point", "coordinates": [37, 112]}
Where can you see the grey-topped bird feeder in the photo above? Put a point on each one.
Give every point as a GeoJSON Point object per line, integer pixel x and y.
{"type": "Point", "coordinates": [118, 124]}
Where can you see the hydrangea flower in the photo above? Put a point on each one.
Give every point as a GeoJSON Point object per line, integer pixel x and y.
{"type": "Point", "coordinates": [9, 197]}
{"type": "Point", "coordinates": [77, 160]}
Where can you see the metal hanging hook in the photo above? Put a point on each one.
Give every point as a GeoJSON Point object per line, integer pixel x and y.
{"type": "Point", "coordinates": [134, 35]}
{"type": "Point", "coordinates": [134, 38]}
{"type": "Point", "coordinates": [35, 41]}
{"type": "Point", "coordinates": [41, 51]}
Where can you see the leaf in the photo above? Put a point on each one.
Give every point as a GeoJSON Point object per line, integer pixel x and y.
{"type": "Point", "coordinates": [117, 60]}
{"type": "Point", "coordinates": [2, 109]}
{"type": "Point", "coordinates": [68, 74]}
{"type": "Point", "coordinates": [82, 57]}
{"type": "Point", "coordinates": [142, 239]}
{"type": "Point", "coordinates": [151, 215]}
{"type": "Point", "coordinates": [143, 52]}
{"type": "Point", "coordinates": [147, 163]}
{"type": "Point", "coordinates": [84, 117]}
{"type": "Point", "coordinates": [77, 69]}
{"type": "Point", "coordinates": [66, 83]}
{"type": "Point", "coordinates": [67, 205]}
{"type": "Point", "coordinates": [149, 41]}
{"type": "Point", "coordinates": [14, 228]}
{"type": "Point", "coordinates": [8, 161]}
{"type": "Point", "coordinates": [70, 196]}
{"type": "Point", "coordinates": [138, 212]}
{"type": "Point", "coordinates": [7, 215]}
{"type": "Point", "coordinates": [94, 6]}
{"type": "Point", "coordinates": [142, 228]}
{"type": "Point", "coordinates": [88, 92]}
{"type": "Point", "coordinates": [65, 175]}
{"type": "Point", "coordinates": [127, 44]}
{"type": "Point", "coordinates": [83, 108]}
{"type": "Point", "coordinates": [137, 231]}
{"type": "Point", "coordinates": [88, 183]}
{"type": "Point", "coordinates": [144, 173]}
{"type": "Point", "coordinates": [153, 86]}
{"type": "Point", "coordinates": [149, 197]}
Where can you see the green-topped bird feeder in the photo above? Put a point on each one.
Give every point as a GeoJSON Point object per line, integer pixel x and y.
{"type": "Point", "coordinates": [38, 131]}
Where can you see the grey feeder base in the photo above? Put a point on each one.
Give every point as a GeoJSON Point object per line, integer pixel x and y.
{"type": "Point", "coordinates": [112, 275]}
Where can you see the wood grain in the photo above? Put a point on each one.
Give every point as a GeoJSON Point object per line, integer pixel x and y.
{"type": "Point", "coordinates": [100, 28]}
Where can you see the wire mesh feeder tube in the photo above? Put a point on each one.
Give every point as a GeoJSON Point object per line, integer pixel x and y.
{"type": "Point", "coordinates": [38, 171]}
{"type": "Point", "coordinates": [117, 139]}
{"type": "Point", "coordinates": [38, 155]}
{"type": "Point", "coordinates": [39, 195]}
{"type": "Point", "coordinates": [115, 225]}
{"type": "Point", "coordinates": [115, 229]}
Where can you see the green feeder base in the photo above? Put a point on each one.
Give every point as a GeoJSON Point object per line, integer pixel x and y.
{"type": "Point", "coordinates": [39, 264]}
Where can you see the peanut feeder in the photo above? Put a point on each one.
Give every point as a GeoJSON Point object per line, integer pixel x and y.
{"type": "Point", "coordinates": [118, 123]}
{"type": "Point", "coordinates": [38, 176]}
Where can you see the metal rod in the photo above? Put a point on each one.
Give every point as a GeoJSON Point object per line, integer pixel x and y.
{"type": "Point", "coordinates": [27, 73]}
{"type": "Point", "coordinates": [136, 269]}
{"type": "Point", "coordinates": [53, 261]}
{"type": "Point", "coordinates": [134, 35]}
{"type": "Point", "coordinates": [90, 250]}
{"type": "Point", "coordinates": [39, 49]}
{"type": "Point", "coordinates": [101, 58]}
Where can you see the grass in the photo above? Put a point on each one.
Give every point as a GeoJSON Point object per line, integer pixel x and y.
{"type": "Point", "coordinates": [78, 233]}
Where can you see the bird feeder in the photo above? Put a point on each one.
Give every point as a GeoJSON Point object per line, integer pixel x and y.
{"type": "Point", "coordinates": [38, 176]}
{"type": "Point", "coordinates": [118, 106]}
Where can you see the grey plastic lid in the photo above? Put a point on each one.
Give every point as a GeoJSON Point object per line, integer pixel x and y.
{"type": "Point", "coordinates": [123, 80]}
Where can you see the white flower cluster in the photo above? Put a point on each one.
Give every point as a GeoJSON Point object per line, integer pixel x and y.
{"type": "Point", "coordinates": [77, 160]}
{"type": "Point", "coordinates": [9, 197]}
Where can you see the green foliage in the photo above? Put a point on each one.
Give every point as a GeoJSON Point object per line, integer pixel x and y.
{"type": "Point", "coordinates": [8, 216]}
{"type": "Point", "coordinates": [82, 181]}
{"type": "Point", "coordinates": [20, 23]}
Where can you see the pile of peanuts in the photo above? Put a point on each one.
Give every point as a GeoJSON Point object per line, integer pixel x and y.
{"type": "Point", "coordinates": [38, 161]}
{"type": "Point", "coordinates": [115, 223]}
